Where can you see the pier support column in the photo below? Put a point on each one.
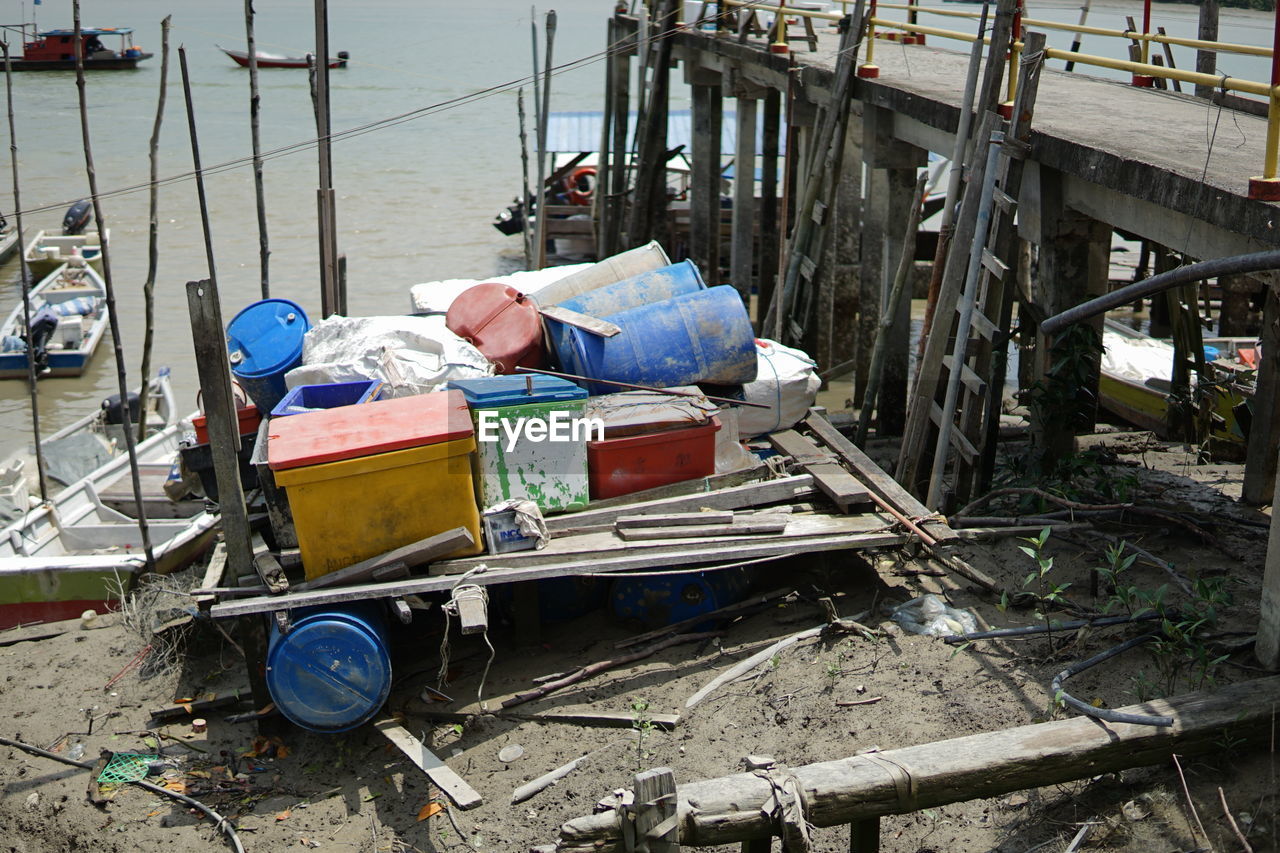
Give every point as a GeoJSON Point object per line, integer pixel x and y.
{"type": "Point", "coordinates": [1074, 259]}
{"type": "Point", "coordinates": [891, 176]}
{"type": "Point", "coordinates": [1237, 299]}
{"type": "Point", "coordinates": [770, 233]}
{"type": "Point", "coordinates": [742, 254]}
{"type": "Point", "coordinates": [1264, 431]}
{"type": "Point", "coordinates": [704, 187]}
{"type": "Point", "coordinates": [838, 282]}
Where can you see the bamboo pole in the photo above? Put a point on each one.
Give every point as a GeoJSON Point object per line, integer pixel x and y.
{"type": "Point", "coordinates": [526, 235]}
{"type": "Point", "coordinates": [540, 234]}
{"type": "Point", "coordinates": [131, 445]}
{"type": "Point", "coordinates": [899, 781]}
{"type": "Point", "coordinates": [324, 194]}
{"type": "Point", "coordinates": [26, 276]}
{"type": "Point", "coordinates": [255, 106]}
{"type": "Point", "coordinates": [153, 232]}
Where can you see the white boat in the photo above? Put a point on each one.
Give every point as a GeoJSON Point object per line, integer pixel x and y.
{"type": "Point", "coordinates": [49, 249]}
{"type": "Point", "coordinates": [75, 298]}
{"type": "Point", "coordinates": [79, 552]}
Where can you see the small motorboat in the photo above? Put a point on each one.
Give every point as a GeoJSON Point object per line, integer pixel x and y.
{"type": "Point", "coordinates": [79, 552]}
{"type": "Point", "coordinates": [49, 250]}
{"type": "Point", "coordinates": [271, 60]}
{"type": "Point", "coordinates": [68, 319]}
{"type": "Point", "coordinates": [55, 50]}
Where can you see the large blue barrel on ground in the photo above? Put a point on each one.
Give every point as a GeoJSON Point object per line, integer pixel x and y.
{"type": "Point", "coordinates": [331, 671]}
{"type": "Point", "coordinates": [704, 336]}
{"type": "Point", "coordinates": [658, 600]}
{"type": "Point", "coordinates": [264, 342]}
{"type": "Point", "coordinates": [642, 289]}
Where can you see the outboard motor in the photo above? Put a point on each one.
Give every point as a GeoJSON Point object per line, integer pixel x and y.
{"type": "Point", "coordinates": [344, 55]}
{"type": "Point", "coordinates": [77, 217]}
{"type": "Point", "coordinates": [43, 325]}
{"type": "Point", "coordinates": [115, 411]}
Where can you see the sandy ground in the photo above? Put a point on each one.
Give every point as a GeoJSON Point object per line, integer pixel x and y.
{"type": "Point", "coordinates": [355, 792]}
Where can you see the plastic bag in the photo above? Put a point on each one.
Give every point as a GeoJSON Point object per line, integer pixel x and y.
{"type": "Point", "coordinates": [787, 381]}
{"type": "Point", "coordinates": [411, 355]}
{"type": "Point", "coordinates": [933, 617]}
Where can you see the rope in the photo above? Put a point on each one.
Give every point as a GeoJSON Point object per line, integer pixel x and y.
{"type": "Point", "coordinates": [460, 592]}
{"type": "Point", "coordinates": [903, 782]}
{"type": "Point", "coordinates": [786, 805]}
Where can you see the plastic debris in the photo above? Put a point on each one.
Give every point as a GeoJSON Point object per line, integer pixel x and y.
{"type": "Point", "coordinates": [933, 617]}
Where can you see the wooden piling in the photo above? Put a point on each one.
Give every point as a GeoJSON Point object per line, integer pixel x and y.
{"type": "Point", "coordinates": [255, 136]}
{"type": "Point", "coordinates": [117, 343]}
{"type": "Point", "coordinates": [32, 381]}
{"type": "Point", "coordinates": [1207, 60]}
{"type": "Point", "coordinates": [326, 206]}
{"type": "Point", "coordinates": [649, 197]}
{"type": "Point", "coordinates": [153, 232]}
{"type": "Point", "coordinates": [1264, 432]}
{"type": "Point", "coordinates": [742, 252]}
{"type": "Point", "coordinates": [544, 117]}
{"type": "Point", "coordinates": [704, 184]}
{"type": "Point", "coordinates": [769, 231]}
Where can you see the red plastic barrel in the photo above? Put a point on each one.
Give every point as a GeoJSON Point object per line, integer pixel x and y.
{"type": "Point", "coordinates": [501, 322]}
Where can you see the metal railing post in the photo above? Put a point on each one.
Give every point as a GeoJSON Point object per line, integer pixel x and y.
{"type": "Point", "coordinates": [869, 69]}
{"type": "Point", "coordinates": [779, 44]}
{"type": "Point", "coordinates": [1267, 186]}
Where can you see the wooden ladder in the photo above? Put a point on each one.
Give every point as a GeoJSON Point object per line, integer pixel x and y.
{"type": "Point", "coordinates": [972, 375]}
{"type": "Point", "coordinates": [792, 307]}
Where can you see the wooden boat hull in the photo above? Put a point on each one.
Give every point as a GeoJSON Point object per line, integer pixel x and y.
{"type": "Point", "coordinates": [46, 252]}
{"type": "Point", "coordinates": [241, 58]}
{"type": "Point", "coordinates": [117, 63]}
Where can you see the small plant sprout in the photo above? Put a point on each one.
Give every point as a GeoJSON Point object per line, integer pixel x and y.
{"type": "Point", "coordinates": [643, 724]}
{"type": "Point", "coordinates": [833, 672]}
{"type": "Point", "coordinates": [1047, 593]}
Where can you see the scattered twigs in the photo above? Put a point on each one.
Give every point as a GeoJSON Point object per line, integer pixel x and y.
{"type": "Point", "coordinates": [750, 663]}
{"type": "Point", "coordinates": [598, 667]}
{"type": "Point", "coordinates": [1186, 792]}
{"type": "Point", "coordinates": [869, 701]}
{"type": "Point", "coordinates": [1038, 493]}
{"type": "Point", "coordinates": [756, 602]}
{"type": "Point", "coordinates": [1032, 630]}
{"type": "Point", "coordinates": [1104, 713]}
{"type": "Point", "coordinates": [1231, 821]}
{"type": "Point", "coordinates": [137, 659]}
{"type": "Point", "coordinates": [153, 232]}
{"type": "Point", "coordinates": [220, 822]}
{"type": "Point", "coordinates": [527, 790]}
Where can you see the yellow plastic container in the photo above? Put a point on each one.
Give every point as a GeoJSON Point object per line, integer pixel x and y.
{"type": "Point", "coordinates": [354, 509]}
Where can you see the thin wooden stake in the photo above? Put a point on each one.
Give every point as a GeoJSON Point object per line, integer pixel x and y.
{"type": "Point", "coordinates": [525, 207]}
{"type": "Point", "coordinates": [26, 275]}
{"type": "Point", "coordinates": [655, 808]}
{"type": "Point", "coordinates": [153, 239]}
{"type": "Point", "coordinates": [122, 380]}
{"type": "Point", "coordinates": [324, 194]}
{"type": "Point", "coordinates": [540, 233]}
{"type": "Point", "coordinates": [255, 106]}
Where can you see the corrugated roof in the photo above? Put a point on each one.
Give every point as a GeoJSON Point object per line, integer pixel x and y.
{"type": "Point", "coordinates": [573, 132]}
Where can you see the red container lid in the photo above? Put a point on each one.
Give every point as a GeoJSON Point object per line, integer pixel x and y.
{"type": "Point", "coordinates": [350, 432]}
{"type": "Point", "coordinates": [501, 322]}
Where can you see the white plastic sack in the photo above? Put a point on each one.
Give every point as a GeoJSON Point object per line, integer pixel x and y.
{"type": "Point", "coordinates": [787, 381]}
{"type": "Point", "coordinates": [933, 617]}
{"type": "Point", "coordinates": [410, 355]}
{"type": "Point", "coordinates": [435, 297]}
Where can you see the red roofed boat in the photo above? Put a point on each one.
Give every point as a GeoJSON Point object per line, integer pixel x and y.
{"type": "Point", "coordinates": [55, 50]}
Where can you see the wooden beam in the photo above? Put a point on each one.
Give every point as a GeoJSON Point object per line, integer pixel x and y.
{"type": "Point", "coordinates": [454, 786]}
{"type": "Point", "coordinates": [704, 185]}
{"type": "Point", "coordinates": [413, 554]}
{"type": "Point", "coordinates": [655, 811]}
{"type": "Point", "coordinates": [742, 252]}
{"type": "Point", "coordinates": [835, 481]}
{"type": "Point", "coordinates": [1264, 432]}
{"type": "Point", "coordinates": [899, 781]}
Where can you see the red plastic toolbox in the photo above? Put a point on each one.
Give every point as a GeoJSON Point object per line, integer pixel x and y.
{"type": "Point", "coordinates": [249, 420]}
{"type": "Point", "coordinates": [619, 466]}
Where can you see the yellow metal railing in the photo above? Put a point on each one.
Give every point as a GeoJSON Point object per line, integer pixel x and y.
{"type": "Point", "coordinates": [1266, 187]}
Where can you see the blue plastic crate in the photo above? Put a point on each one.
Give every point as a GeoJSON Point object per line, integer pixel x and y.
{"type": "Point", "coordinates": [313, 398]}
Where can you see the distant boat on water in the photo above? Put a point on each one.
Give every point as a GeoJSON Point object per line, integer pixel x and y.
{"type": "Point", "coordinates": [55, 50]}
{"type": "Point", "coordinates": [271, 60]}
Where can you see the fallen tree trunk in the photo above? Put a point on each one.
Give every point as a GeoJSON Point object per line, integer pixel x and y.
{"type": "Point", "coordinates": [726, 810]}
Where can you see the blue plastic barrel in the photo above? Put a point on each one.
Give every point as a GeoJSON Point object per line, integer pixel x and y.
{"type": "Point", "coordinates": [264, 342]}
{"type": "Point", "coordinates": [332, 671]}
{"type": "Point", "coordinates": [655, 601]}
{"type": "Point", "coordinates": [641, 289]}
{"type": "Point", "coordinates": [704, 336]}
{"type": "Point", "coordinates": [1211, 352]}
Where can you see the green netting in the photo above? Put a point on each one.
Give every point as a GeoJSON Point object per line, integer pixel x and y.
{"type": "Point", "coordinates": [125, 767]}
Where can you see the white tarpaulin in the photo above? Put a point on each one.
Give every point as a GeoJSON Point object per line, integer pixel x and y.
{"type": "Point", "coordinates": [435, 297]}
{"type": "Point", "coordinates": [411, 355]}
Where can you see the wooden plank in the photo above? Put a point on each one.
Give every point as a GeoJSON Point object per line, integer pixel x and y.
{"type": "Point", "coordinates": [454, 787]}
{"type": "Point", "coordinates": [413, 554]}
{"type": "Point", "coordinates": [675, 519]}
{"type": "Point", "coordinates": [874, 477]}
{"type": "Point", "coordinates": [737, 528]}
{"type": "Point", "coordinates": [700, 485]}
{"type": "Point", "coordinates": [270, 572]}
{"type": "Point", "coordinates": [684, 555]}
{"type": "Point", "coordinates": [655, 811]}
{"type": "Point", "coordinates": [994, 265]}
{"type": "Point", "coordinates": [831, 478]}
{"type": "Point", "coordinates": [899, 781]}
{"type": "Point", "coordinates": [734, 497]}
{"type": "Point", "coordinates": [213, 572]}
{"type": "Point", "coordinates": [594, 325]}
{"type": "Point", "coordinates": [971, 380]}
{"type": "Point", "coordinates": [473, 614]}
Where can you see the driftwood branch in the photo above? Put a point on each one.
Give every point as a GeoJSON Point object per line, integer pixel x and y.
{"type": "Point", "coordinates": [601, 666]}
{"type": "Point", "coordinates": [153, 232]}
{"type": "Point", "coordinates": [1038, 493]}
